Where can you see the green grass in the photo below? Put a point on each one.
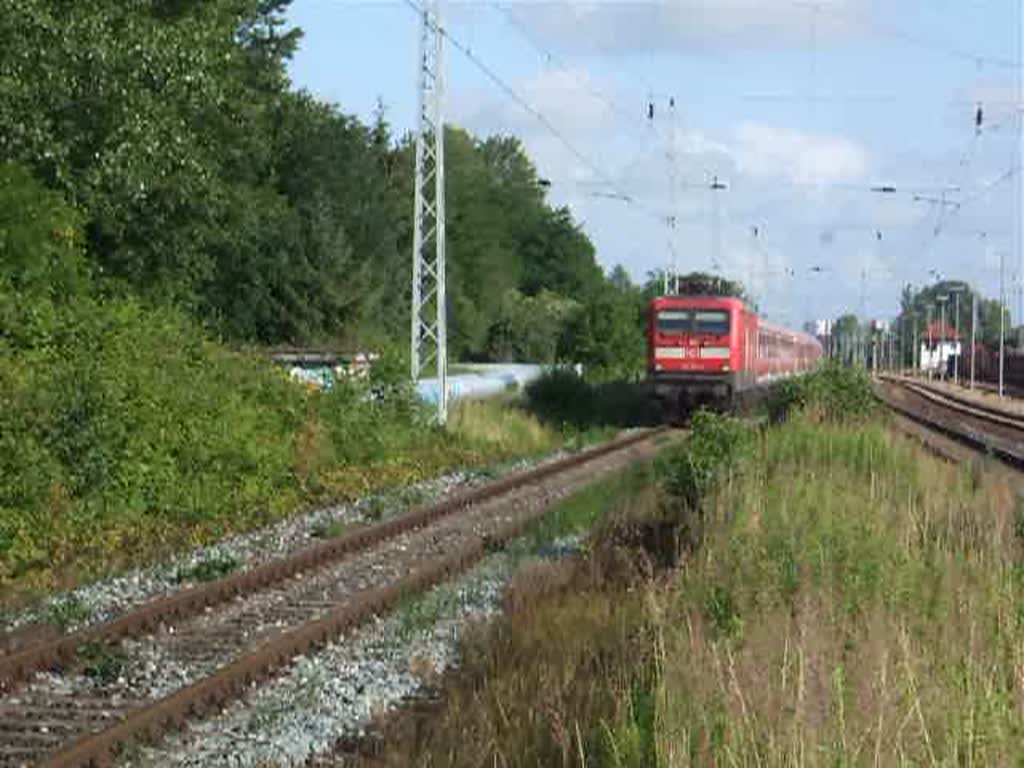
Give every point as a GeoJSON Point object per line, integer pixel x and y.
{"type": "Point", "coordinates": [587, 509]}
{"type": "Point", "coordinates": [854, 601]}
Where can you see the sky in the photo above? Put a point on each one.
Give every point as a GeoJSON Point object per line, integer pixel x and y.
{"type": "Point", "coordinates": [799, 108]}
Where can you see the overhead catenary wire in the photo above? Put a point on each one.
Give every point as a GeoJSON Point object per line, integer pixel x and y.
{"type": "Point", "coordinates": [892, 30]}
{"type": "Point", "coordinates": [614, 186]}
{"type": "Point", "coordinates": [644, 120]}
{"type": "Point", "coordinates": [551, 57]}
{"type": "Point", "coordinates": [541, 118]}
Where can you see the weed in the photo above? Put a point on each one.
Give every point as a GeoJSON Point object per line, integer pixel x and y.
{"type": "Point", "coordinates": [66, 612]}
{"type": "Point", "coordinates": [832, 393]}
{"type": "Point", "coordinates": [563, 398]}
{"type": "Point", "coordinates": [208, 570]}
{"type": "Point", "coordinates": [855, 601]}
{"type": "Point", "coordinates": [102, 662]}
{"type": "Point", "coordinates": [374, 508]}
{"type": "Point", "coordinates": [721, 610]}
{"type": "Point", "coordinates": [717, 445]}
{"type": "Point", "coordinates": [334, 528]}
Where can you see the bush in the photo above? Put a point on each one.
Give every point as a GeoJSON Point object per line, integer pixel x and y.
{"type": "Point", "coordinates": [562, 397]}
{"type": "Point", "coordinates": [40, 237]}
{"type": "Point", "coordinates": [126, 433]}
{"type": "Point", "coordinates": [834, 393]}
{"type": "Point", "coordinates": [717, 445]}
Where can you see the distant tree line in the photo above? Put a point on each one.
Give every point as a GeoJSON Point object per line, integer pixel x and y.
{"type": "Point", "coordinates": [205, 181]}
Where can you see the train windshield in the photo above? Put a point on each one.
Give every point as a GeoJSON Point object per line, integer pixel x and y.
{"type": "Point", "coordinates": [713, 322]}
{"type": "Point", "coordinates": [674, 322]}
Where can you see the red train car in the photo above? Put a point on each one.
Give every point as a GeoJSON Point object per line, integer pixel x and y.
{"type": "Point", "coordinates": [716, 351]}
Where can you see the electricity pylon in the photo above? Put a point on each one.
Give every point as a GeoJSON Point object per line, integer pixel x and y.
{"type": "Point", "coordinates": [429, 321]}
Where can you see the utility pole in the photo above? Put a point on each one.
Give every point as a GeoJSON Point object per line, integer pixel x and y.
{"type": "Point", "coordinates": [716, 224]}
{"type": "Point", "coordinates": [915, 353]}
{"type": "Point", "coordinates": [974, 332]}
{"type": "Point", "coordinates": [956, 333]}
{"type": "Point", "coordinates": [1002, 318]}
{"type": "Point", "coordinates": [429, 296]}
{"type": "Point", "coordinates": [929, 321]}
{"type": "Point", "coordinates": [956, 337]}
{"type": "Point", "coordinates": [1019, 287]}
{"type": "Point", "coordinates": [673, 183]}
{"type": "Point", "coordinates": [942, 334]}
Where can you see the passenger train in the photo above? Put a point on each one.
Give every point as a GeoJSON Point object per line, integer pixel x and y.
{"type": "Point", "coordinates": [715, 351]}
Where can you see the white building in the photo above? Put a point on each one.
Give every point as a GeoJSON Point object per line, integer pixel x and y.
{"type": "Point", "coordinates": [937, 347]}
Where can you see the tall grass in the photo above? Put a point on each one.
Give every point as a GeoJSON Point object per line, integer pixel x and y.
{"type": "Point", "coordinates": [854, 601]}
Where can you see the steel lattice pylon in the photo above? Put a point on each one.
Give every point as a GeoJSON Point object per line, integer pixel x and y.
{"type": "Point", "coordinates": [429, 322]}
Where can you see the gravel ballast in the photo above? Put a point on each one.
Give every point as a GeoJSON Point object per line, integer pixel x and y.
{"type": "Point", "coordinates": [334, 695]}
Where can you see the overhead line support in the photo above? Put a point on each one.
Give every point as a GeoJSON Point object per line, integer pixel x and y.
{"type": "Point", "coordinates": [429, 296]}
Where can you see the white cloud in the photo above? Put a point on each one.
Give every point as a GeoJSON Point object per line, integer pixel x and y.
{"type": "Point", "coordinates": [764, 150]}
{"type": "Point", "coordinates": [565, 97]}
{"type": "Point", "coordinates": [630, 26]}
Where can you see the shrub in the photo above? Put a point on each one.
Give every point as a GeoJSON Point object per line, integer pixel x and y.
{"type": "Point", "coordinates": [717, 445]}
{"type": "Point", "coordinates": [40, 237]}
{"type": "Point", "coordinates": [833, 393]}
{"type": "Point", "coordinates": [562, 397]}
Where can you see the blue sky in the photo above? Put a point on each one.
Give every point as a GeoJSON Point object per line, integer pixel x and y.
{"type": "Point", "coordinates": [799, 106]}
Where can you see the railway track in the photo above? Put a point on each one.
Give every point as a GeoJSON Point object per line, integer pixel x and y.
{"type": "Point", "coordinates": [982, 427]}
{"type": "Point", "coordinates": [77, 700]}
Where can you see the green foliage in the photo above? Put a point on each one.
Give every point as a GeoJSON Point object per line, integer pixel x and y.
{"type": "Point", "coordinates": [832, 393]}
{"type": "Point", "coordinates": [562, 397]}
{"type": "Point", "coordinates": [528, 328]}
{"type": "Point", "coordinates": [916, 306]}
{"type": "Point", "coordinates": [209, 570]}
{"type": "Point", "coordinates": [717, 447]}
{"type": "Point", "coordinates": [40, 238]}
{"type": "Point", "coordinates": [204, 181]}
{"type": "Point", "coordinates": [336, 528]}
{"type": "Point", "coordinates": [125, 433]}
{"type": "Point", "coordinates": [102, 662]}
{"type": "Point", "coordinates": [151, 119]}
{"type": "Point", "coordinates": [605, 336]}
{"type": "Point", "coordinates": [67, 612]}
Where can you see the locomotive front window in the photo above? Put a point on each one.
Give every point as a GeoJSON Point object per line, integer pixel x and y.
{"type": "Point", "coordinates": [714, 322]}
{"type": "Point", "coordinates": [675, 321]}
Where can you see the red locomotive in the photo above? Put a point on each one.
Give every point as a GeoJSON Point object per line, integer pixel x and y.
{"type": "Point", "coordinates": [716, 351]}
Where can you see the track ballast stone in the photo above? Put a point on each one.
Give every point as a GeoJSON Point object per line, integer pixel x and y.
{"type": "Point", "coordinates": [334, 695]}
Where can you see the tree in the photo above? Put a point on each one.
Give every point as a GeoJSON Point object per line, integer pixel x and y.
{"type": "Point", "coordinates": [146, 116]}
{"type": "Point", "coordinates": [605, 336]}
{"type": "Point", "coordinates": [529, 328]}
{"type": "Point", "coordinates": [40, 238]}
{"type": "Point", "coordinates": [915, 304]}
